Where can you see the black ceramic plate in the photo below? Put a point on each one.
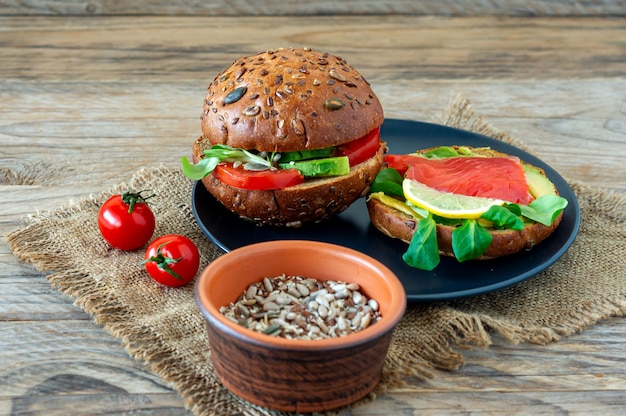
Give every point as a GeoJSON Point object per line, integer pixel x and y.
{"type": "Point", "coordinates": [352, 228]}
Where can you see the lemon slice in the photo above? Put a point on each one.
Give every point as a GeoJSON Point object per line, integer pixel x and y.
{"type": "Point", "coordinates": [446, 204]}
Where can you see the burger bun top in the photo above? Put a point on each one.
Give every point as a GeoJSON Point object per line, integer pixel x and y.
{"type": "Point", "coordinates": [288, 100]}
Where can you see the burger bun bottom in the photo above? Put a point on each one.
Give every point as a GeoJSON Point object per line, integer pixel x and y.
{"type": "Point", "coordinates": [313, 200]}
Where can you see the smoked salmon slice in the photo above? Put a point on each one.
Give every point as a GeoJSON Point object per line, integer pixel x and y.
{"type": "Point", "coordinates": [490, 177]}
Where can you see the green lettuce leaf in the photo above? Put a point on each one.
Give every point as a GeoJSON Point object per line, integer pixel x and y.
{"type": "Point", "coordinates": [544, 209]}
{"type": "Point", "coordinates": [502, 217]}
{"type": "Point", "coordinates": [222, 153]}
{"type": "Point", "coordinates": [199, 170]}
{"type": "Point", "coordinates": [423, 251]}
{"type": "Point", "coordinates": [442, 152]}
{"type": "Point", "coordinates": [388, 181]}
{"type": "Point", "coordinates": [470, 240]}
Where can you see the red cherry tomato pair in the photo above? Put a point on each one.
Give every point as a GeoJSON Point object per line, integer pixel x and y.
{"type": "Point", "coordinates": [127, 222]}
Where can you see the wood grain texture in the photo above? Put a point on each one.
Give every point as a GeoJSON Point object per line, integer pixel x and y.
{"type": "Point", "coordinates": [294, 7]}
{"type": "Point", "coordinates": [84, 103]}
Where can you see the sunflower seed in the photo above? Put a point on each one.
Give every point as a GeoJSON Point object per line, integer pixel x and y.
{"type": "Point", "coordinates": [334, 104]}
{"type": "Point", "coordinates": [365, 321]}
{"type": "Point", "coordinates": [336, 75]}
{"type": "Point", "coordinates": [241, 71]}
{"type": "Point", "coordinates": [251, 292]}
{"type": "Point", "coordinates": [303, 289]}
{"type": "Point", "coordinates": [295, 307]}
{"type": "Point", "coordinates": [297, 126]}
{"type": "Point", "coordinates": [270, 306]}
{"type": "Point", "coordinates": [322, 301]}
{"type": "Point", "coordinates": [251, 111]}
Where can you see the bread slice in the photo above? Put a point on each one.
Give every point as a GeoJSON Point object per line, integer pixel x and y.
{"type": "Point", "coordinates": [397, 224]}
{"type": "Point", "coordinates": [311, 201]}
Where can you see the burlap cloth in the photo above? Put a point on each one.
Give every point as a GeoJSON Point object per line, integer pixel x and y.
{"type": "Point", "coordinates": [163, 328]}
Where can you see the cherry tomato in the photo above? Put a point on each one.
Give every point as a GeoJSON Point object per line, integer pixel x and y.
{"type": "Point", "coordinates": [360, 150]}
{"type": "Point", "coordinates": [126, 221]}
{"type": "Point", "coordinates": [257, 179]}
{"type": "Point", "coordinates": [172, 260]}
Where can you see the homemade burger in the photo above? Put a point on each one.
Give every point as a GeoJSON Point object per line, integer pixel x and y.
{"type": "Point", "coordinates": [464, 202]}
{"type": "Point", "coordinates": [288, 136]}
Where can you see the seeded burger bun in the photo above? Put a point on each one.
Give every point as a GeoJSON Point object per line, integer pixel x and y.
{"type": "Point", "coordinates": [400, 225]}
{"type": "Point", "coordinates": [290, 100]}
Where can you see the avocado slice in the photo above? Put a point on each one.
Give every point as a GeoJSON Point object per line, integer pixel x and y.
{"type": "Point", "coordinates": [330, 166]}
{"type": "Point", "coordinates": [399, 205]}
{"type": "Point", "coordinates": [306, 154]}
{"type": "Point", "coordinates": [538, 184]}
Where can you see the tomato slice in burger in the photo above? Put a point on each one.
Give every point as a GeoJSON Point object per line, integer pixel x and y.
{"type": "Point", "coordinates": [257, 179]}
{"type": "Point", "coordinates": [360, 150]}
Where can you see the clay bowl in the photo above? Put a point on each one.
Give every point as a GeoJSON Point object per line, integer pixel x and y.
{"type": "Point", "coordinates": [297, 375]}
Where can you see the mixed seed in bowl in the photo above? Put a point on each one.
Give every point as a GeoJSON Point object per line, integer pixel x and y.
{"type": "Point", "coordinates": [296, 307]}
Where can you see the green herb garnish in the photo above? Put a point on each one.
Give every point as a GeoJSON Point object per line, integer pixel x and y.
{"type": "Point", "coordinates": [222, 153]}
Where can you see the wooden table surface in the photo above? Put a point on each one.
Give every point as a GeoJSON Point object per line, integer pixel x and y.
{"type": "Point", "coordinates": [94, 98]}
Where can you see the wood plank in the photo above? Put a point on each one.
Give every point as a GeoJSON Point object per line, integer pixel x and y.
{"type": "Point", "coordinates": [537, 403]}
{"type": "Point", "coordinates": [76, 370]}
{"type": "Point", "coordinates": [90, 367]}
{"type": "Point", "coordinates": [405, 47]}
{"type": "Point", "coordinates": [294, 7]}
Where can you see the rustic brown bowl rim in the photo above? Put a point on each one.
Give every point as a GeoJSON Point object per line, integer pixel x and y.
{"type": "Point", "coordinates": [388, 321]}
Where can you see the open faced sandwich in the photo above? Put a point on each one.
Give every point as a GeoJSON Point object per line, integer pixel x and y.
{"type": "Point", "coordinates": [464, 202]}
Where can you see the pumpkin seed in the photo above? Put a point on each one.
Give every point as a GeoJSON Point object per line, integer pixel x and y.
{"type": "Point", "coordinates": [235, 95]}
{"type": "Point", "coordinates": [334, 104]}
{"type": "Point", "coordinates": [273, 329]}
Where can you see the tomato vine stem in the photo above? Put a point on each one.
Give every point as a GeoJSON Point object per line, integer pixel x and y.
{"type": "Point", "coordinates": [163, 262]}
{"type": "Point", "coordinates": [133, 198]}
